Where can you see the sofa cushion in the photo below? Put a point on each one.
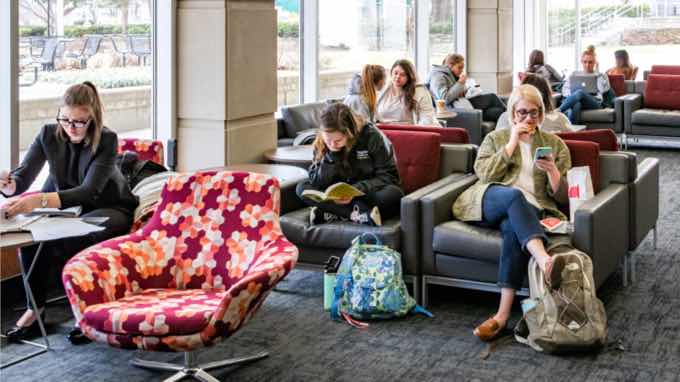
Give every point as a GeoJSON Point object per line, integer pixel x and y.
{"type": "Point", "coordinates": [662, 92]}
{"type": "Point", "coordinates": [598, 115]}
{"type": "Point", "coordinates": [657, 131]}
{"type": "Point", "coordinates": [666, 69]}
{"type": "Point", "coordinates": [457, 238]}
{"type": "Point", "coordinates": [603, 137]}
{"type": "Point", "coordinates": [418, 157]}
{"type": "Point", "coordinates": [296, 228]}
{"type": "Point", "coordinates": [656, 117]}
{"type": "Point", "coordinates": [618, 84]}
{"type": "Point", "coordinates": [285, 142]}
{"type": "Point", "coordinates": [448, 134]}
{"type": "Point", "coordinates": [585, 153]}
{"type": "Point", "coordinates": [156, 312]}
{"type": "Point", "coordinates": [301, 117]}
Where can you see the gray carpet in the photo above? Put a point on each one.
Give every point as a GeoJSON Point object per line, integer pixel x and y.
{"type": "Point", "coordinates": [305, 345]}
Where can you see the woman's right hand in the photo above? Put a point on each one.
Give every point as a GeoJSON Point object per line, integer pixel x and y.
{"type": "Point", "coordinates": [462, 78]}
{"type": "Point", "coordinates": [7, 185]}
{"type": "Point", "coordinates": [520, 129]}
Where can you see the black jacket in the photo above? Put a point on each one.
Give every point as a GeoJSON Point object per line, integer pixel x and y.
{"type": "Point", "coordinates": [101, 183]}
{"type": "Point", "coordinates": [372, 165]}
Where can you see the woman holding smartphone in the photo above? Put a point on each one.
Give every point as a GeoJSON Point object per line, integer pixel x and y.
{"type": "Point", "coordinates": [513, 193]}
{"type": "Point", "coordinates": [81, 154]}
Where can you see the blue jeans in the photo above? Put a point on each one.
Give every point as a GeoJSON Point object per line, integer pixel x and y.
{"type": "Point", "coordinates": [577, 101]}
{"type": "Point", "coordinates": [506, 208]}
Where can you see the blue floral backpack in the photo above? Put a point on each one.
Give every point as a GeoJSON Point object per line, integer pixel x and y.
{"type": "Point", "coordinates": [369, 284]}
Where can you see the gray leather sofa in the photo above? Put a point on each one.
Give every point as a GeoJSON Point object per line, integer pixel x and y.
{"type": "Point", "coordinates": [317, 243]}
{"type": "Point", "coordinates": [295, 119]}
{"type": "Point", "coordinates": [647, 126]}
{"type": "Point", "coordinates": [463, 255]}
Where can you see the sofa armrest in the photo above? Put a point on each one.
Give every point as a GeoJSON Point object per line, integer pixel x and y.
{"type": "Point", "coordinates": [280, 128]}
{"type": "Point", "coordinates": [644, 201]}
{"type": "Point", "coordinates": [631, 102]}
{"type": "Point", "coordinates": [411, 223]}
{"type": "Point", "coordinates": [436, 208]}
{"type": "Point", "coordinates": [618, 114]}
{"type": "Point", "coordinates": [594, 233]}
{"type": "Point", "coordinates": [470, 120]}
{"type": "Point", "coordinates": [457, 158]}
{"type": "Point", "coordinates": [289, 199]}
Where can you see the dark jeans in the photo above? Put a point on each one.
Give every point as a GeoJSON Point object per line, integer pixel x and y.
{"type": "Point", "coordinates": [506, 208]}
{"type": "Point", "coordinates": [387, 199]}
{"type": "Point", "coordinates": [577, 101]}
{"type": "Point", "coordinates": [55, 253]}
{"type": "Point", "coordinates": [491, 105]}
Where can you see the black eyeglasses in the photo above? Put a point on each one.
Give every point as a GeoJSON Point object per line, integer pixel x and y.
{"type": "Point", "coordinates": [65, 122]}
{"type": "Point", "coordinates": [532, 113]}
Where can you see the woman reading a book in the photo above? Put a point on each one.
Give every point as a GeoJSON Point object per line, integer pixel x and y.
{"type": "Point", "coordinates": [81, 154]}
{"type": "Point", "coordinates": [347, 150]}
{"type": "Point", "coordinates": [514, 192]}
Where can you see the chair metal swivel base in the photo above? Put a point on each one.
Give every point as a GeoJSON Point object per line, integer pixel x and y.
{"type": "Point", "coordinates": [192, 369]}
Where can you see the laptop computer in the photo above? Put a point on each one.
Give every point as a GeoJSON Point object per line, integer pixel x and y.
{"type": "Point", "coordinates": [586, 82]}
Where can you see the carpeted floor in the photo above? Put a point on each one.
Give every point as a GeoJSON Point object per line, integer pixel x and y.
{"type": "Point", "coordinates": [305, 345]}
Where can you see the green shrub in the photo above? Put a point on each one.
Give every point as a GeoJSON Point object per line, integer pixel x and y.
{"type": "Point", "coordinates": [288, 29]}
{"type": "Point", "coordinates": [82, 30]}
{"type": "Point", "coordinates": [32, 30]}
{"type": "Point", "coordinates": [105, 78]}
{"type": "Point", "coordinates": [441, 28]}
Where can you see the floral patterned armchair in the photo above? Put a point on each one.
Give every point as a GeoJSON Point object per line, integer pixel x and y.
{"type": "Point", "coordinates": [147, 149]}
{"type": "Point", "coordinates": [194, 274]}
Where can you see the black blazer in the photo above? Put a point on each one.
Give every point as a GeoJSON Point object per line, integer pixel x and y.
{"type": "Point", "coordinates": [101, 183]}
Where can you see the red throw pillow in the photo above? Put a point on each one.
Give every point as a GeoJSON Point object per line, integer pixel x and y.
{"type": "Point", "coordinates": [418, 157]}
{"type": "Point", "coordinates": [603, 137]}
{"type": "Point", "coordinates": [618, 83]}
{"type": "Point", "coordinates": [586, 154]}
{"type": "Point", "coordinates": [662, 92]}
{"type": "Point", "coordinates": [665, 69]}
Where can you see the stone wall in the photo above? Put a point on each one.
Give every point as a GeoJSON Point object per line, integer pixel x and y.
{"type": "Point", "coordinates": [125, 109]}
{"type": "Point", "coordinates": [332, 84]}
{"type": "Point", "coordinates": [662, 36]}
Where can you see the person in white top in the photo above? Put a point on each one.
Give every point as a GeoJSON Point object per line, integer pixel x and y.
{"type": "Point", "coordinates": [405, 101]}
{"type": "Point", "coordinates": [554, 121]}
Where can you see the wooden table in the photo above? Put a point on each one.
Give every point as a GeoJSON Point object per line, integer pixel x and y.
{"type": "Point", "coordinates": [300, 156]}
{"type": "Point", "coordinates": [446, 118]}
{"type": "Point", "coordinates": [287, 175]}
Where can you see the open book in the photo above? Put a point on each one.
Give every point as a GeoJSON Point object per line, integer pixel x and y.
{"type": "Point", "coordinates": [17, 223]}
{"type": "Point", "coordinates": [70, 212]}
{"type": "Point", "coordinates": [336, 191]}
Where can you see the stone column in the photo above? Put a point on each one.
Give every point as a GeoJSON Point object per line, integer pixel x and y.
{"type": "Point", "coordinates": [226, 81]}
{"type": "Point", "coordinates": [489, 44]}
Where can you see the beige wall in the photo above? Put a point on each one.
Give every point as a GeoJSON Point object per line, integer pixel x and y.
{"type": "Point", "coordinates": [489, 44]}
{"type": "Point", "coordinates": [226, 81]}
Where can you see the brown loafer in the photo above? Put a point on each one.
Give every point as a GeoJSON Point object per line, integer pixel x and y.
{"type": "Point", "coordinates": [488, 330]}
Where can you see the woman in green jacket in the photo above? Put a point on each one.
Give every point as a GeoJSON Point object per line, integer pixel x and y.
{"type": "Point", "coordinates": [514, 193]}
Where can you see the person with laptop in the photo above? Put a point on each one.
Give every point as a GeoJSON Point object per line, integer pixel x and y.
{"type": "Point", "coordinates": [584, 90]}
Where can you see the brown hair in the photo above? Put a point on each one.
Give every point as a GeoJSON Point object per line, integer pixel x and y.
{"type": "Point", "coordinates": [542, 85]}
{"type": "Point", "coordinates": [536, 60]}
{"type": "Point", "coordinates": [337, 117]}
{"type": "Point", "coordinates": [622, 55]}
{"type": "Point", "coordinates": [370, 76]}
{"type": "Point", "coordinates": [84, 95]}
{"type": "Point", "coordinates": [453, 59]}
{"type": "Point", "coordinates": [409, 89]}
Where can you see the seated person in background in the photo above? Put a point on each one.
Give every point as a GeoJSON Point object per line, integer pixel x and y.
{"type": "Point", "coordinates": [554, 122]}
{"type": "Point", "coordinates": [81, 154]}
{"type": "Point", "coordinates": [447, 82]}
{"type": "Point", "coordinates": [513, 194]}
{"type": "Point", "coordinates": [405, 101]}
{"type": "Point", "coordinates": [349, 150]}
{"type": "Point", "coordinates": [623, 66]}
{"type": "Point", "coordinates": [363, 91]}
{"type": "Point", "coordinates": [581, 100]}
{"type": "Point", "coordinates": [538, 67]}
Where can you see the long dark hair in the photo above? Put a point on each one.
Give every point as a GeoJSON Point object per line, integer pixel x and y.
{"type": "Point", "coordinates": [370, 76]}
{"type": "Point", "coordinates": [536, 60]}
{"type": "Point", "coordinates": [338, 117]}
{"type": "Point", "coordinates": [85, 95]}
{"type": "Point", "coordinates": [622, 55]}
{"type": "Point", "coordinates": [409, 89]}
{"type": "Point", "coordinates": [542, 85]}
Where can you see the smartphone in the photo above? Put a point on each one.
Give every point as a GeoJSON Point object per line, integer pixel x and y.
{"type": "Point", "coordinates": [542, 153]}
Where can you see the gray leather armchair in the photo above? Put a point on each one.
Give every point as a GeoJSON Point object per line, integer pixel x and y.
{"type": "Point", "coordinates": [296, 119]}
{"type": "Point", "coordinates": [471, 120]}
{"type": "Point", "coordinates": [317, 243]}
{"type": "Point", "coordinates": [463, 255]}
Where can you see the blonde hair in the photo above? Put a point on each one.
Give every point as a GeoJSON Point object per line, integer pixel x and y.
{"type": "Point", "coordinates": [453, 59]}
{"type": "Point", "coordinates": [527, 93]}
{"type": "Point", "coordinates": [590, 51]}
{"type": "Point", "coordinates": [84, 95]}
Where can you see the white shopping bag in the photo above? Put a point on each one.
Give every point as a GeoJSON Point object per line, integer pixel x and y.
{"type": "Point", "coordinates": [580, 188]}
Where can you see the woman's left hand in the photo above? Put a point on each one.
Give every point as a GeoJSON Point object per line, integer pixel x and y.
{"type": "Point", "coordinates": [23, 204]}
{"type": "Point", "coordinates": [548, 165]}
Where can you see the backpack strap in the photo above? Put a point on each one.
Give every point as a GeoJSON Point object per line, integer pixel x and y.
{"type": "Point", "coordinates": [338, 290]}
{"type": "Point", "coordinates": [356, 323]}
{"type": "Point", "coordinates": [417, 309]}
{"type": "Point", "coordinates": [365, 238]}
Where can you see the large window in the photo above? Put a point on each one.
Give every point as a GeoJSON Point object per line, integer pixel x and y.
{"type": "Point", "coordinates": [288, 54]}
{"type": "Point", "coordinates": [107, 42]}
{"type": "Point", "coordinates": [357, 32]}
{"type": "Point", "coordinates": [646, 29]}
{"type": "Point", "coordinates": [442, 29]}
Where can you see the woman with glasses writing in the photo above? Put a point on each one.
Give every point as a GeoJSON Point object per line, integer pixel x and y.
{"type": "Point", "coordinates": [513, 193]}
{"type": "Point", "coordinates": [81, 154]}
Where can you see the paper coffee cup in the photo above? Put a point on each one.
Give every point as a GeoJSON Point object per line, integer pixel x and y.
{"type": "Point", "coordinates": [441, 106]}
